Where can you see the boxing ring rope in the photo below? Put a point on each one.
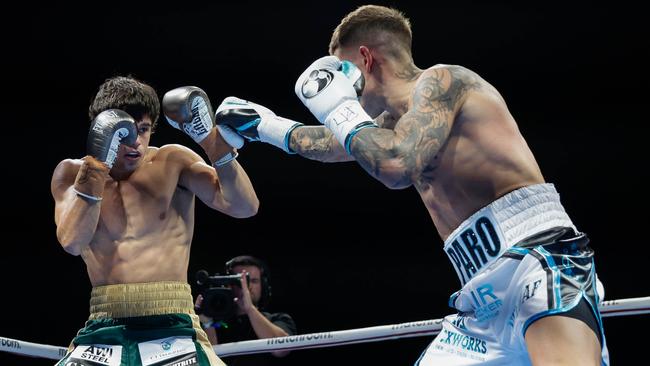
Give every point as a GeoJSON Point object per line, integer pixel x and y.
{"type": "Point", "coordinates": [610, 308]}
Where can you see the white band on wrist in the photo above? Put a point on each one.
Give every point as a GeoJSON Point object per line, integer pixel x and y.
{"type": "Point", "coordinates": [276, 130]}
{"type": "Point", "coordinates": [346, 120]}
{"type": "Point", "coordinates": [225, 159]}
{"type": "Point", "coordinates": [90, 197]}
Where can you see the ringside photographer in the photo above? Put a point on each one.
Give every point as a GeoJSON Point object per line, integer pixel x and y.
{"type": "Point", "coordinates": [232, 308]}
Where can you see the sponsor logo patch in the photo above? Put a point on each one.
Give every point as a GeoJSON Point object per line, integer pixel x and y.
{"type": "Point", "coordinates": [95, 354]}
{"type": "Point", "coordinates": [168, 351]}
{"type": "Point", "coordinates": [464, 342]}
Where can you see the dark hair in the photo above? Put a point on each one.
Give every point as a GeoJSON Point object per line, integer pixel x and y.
{"type": "Point", "coordinates": [128, 94]}
{"type": "Point", "coordinates": [249, 260]}
{"type": "Point", "coordinates": [374, 25]}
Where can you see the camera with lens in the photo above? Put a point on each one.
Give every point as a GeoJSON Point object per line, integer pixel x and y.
{"type": "Point", "coordinates": [218, 296]}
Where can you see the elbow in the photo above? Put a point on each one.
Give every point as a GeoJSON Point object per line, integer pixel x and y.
{"type": "Point", "coordinates": [396, 180]}
{"type": "Point", "coordinates": [390, 184]}
{"type": "Point", "coordinates": [71, 247]}
{"type": "Point", "coordinates": [243, 214]}
{"type": "Point", "coordinates": [246, 211]}
{"type": "Point", "coordinates": [281, 353]}
{"type": "Point", "coordinates": [69, 244]}
{"type": "Point", "coordinates": [393, 171]}
{"type": "Point", "coordinates": [254, 207]}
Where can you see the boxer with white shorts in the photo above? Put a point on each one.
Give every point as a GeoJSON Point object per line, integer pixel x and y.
{"type": "Point", "coordinates": [448, 132]}
{"type": "Point", "coordinates": [519, 259]}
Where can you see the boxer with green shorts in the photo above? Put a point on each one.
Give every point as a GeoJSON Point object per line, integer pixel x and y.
{"type": "Point", "coordinates": [127, 209]}
{"type": "Point", "coordinates": [141, 324]}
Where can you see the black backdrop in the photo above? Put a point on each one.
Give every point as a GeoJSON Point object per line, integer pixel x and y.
{"type": "Point", "coordinates": [345, 252]}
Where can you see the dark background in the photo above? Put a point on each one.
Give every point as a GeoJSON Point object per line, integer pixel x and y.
{"type": "Point", "coordinates": [345, 252]}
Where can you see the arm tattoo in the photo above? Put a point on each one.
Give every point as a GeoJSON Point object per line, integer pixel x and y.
{"type": "Point", "coordinates": [397, 157]}
{"type": "Point", "coordinates": [317, 143]}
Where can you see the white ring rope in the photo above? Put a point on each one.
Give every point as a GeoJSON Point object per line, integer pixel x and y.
{"type": "Point", "coordinates": [610, 308]}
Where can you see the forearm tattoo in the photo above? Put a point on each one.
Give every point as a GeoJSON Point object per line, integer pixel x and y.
{"type": "Point", "coordinates": [316, 143]}
{"type": "Point", "coordinates": [396, 157]}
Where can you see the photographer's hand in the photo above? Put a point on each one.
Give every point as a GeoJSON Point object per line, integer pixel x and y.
{"type": "Point", "coordinates": [244, 301]}
{"type": "Point", "coordinates": [262, 326]}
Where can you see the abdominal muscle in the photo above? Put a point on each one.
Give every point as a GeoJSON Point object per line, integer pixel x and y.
{"type": "Point", "coordinates": [160, 257]}
{"type": "Point", "coordinates": [143, 235]}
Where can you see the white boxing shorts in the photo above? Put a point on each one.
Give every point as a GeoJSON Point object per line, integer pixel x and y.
{"type": "Point", "coordinates": [518, 259]}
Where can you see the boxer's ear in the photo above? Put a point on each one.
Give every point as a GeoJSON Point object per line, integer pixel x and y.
{"type": "Point", "coordinates": [368, 58]}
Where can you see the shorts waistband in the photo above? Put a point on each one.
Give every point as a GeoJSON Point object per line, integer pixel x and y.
{"type": "Point", "coordinates": [490, 231]}
{"type": "Point", "coordinates": [140, 299]}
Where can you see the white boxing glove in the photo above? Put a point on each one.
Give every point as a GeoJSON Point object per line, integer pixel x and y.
{"type": "Point", "coordinates": [329, 88]}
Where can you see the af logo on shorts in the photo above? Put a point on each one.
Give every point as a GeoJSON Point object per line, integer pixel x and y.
{"type": "Point", "coordinates": [530, 290]}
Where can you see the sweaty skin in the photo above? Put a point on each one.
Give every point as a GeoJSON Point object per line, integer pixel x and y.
{"type": "Point", "coordinates": [444, 130]}
{"type": "Point", "coordinates": [142, 228]}
{"type": "Point", "coordinates": [448, 133]}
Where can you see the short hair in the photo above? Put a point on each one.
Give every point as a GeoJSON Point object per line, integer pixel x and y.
{"type": "Point", "coordinates": [374, 25]}
{"type": "Point", "coordinates": [249, 260]}
{"type": "Point", "coordinates": [128, 94]}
